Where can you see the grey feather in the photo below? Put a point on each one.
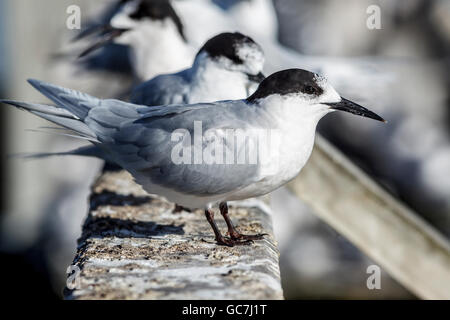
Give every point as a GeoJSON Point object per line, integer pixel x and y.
{"type": "Point", "coordinates": [76, 102]}
{"type": "Point", "coordinates": [85, 151]}
{"type": "Point", "coordinates": [40, 108]}
{"type": "Point", "coordinates": [163, 90]}
{"type": "Point", "coordinates": [155, 149]}
{"type": "Point", "coordinates": [64, 134]}
{"type": "Point", "coordinates": [50, 113]}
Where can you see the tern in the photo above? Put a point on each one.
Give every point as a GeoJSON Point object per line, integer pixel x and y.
{"type": "Point", "coordinates": [161, 149]}
{"type": "Point", "coordinates": [228, 67]}
{"type": "Point", "coordinates": [152, 30]}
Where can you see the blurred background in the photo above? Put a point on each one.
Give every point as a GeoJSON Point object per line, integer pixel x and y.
{"type": "Point", "coordinates": [400, 70]}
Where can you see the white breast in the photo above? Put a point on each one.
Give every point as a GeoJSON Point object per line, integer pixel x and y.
{"type": "Point", "coordinates": [296, 129]}
{"type": "Point", "coordinates": [287, 160]}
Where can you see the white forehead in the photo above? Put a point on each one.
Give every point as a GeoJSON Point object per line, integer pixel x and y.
{"type": "Point", "coordinates": [320, 80]}
{"type": "Point", "coordinates": [329, 94]}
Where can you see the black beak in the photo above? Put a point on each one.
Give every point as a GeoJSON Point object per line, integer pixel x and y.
{"type": "Point", "coordinates": [349, 106]}
{"type": "Point", "coordinates": [256, 77]}
{"type": "Point", "coordinates": [106, 34]}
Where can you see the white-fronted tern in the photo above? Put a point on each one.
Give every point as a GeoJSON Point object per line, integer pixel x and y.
{"type": "Point", "coordinates": [163, 150]}
{"type": "Point", "coordinates": [154, 33]}
{"type": "Point", "coordinates": [228, 67]}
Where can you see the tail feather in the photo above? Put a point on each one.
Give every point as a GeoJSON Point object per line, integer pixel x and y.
{"type": "Point", "coordinates": [72, 124]}
{"type": "Point", "coordinates": [54, 115]}
{"type": "Point", "coordinates": [36, 107]}
{"type": "Point", "coordinates": [75, 102]}
{"type": "Point", "coordinates": [76, 136]}
{"type": "Point", "coordinates": [85, 151]}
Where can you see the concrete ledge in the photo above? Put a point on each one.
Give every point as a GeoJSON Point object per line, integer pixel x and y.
{"type": "Point", "coordinates": [133, 247]}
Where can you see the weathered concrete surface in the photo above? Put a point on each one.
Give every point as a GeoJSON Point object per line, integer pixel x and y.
{"type": "Point", "coordinates": [133, 247]}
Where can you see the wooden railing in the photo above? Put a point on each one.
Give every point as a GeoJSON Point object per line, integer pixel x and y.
{"type": "Point", "coordinates": [407, 247]}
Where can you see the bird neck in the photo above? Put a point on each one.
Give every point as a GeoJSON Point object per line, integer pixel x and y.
{"type": "Point", "coordinates": [295, 131]}
{"type": "Point", "coordinates": [157, 47]}
{"type": "Point", "coordinates": [210, 79]}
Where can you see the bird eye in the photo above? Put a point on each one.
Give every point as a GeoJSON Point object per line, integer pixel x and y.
{"type": "Point", "coordinates": [309, 90]}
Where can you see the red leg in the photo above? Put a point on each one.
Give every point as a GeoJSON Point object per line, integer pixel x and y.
{"type": "Point", "coordinates": [234, 234]}
{"type": "Point", "coordinates": [221, 240]}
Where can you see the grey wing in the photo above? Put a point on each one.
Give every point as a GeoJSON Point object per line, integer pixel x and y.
{"type": "Point", "coordinates": [161, 150]}
{"type": "Point", "coordinates": [161, 90]}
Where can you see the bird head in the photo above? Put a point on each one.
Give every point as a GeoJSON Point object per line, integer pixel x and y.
{"type": "Point", "coordinates": [308, 93]}
{"type": "Point", "coordinates": [235, 52]}
{"type": "Point", "coordinates": [132, 16]}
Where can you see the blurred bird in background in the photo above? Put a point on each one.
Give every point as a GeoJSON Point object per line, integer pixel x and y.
{"type": "Point", "coordinates": [399, 70]}
{"type": "Point", "coordinates": [153, 32]}
{"type": "Point", "coordinates": [228, 67]}
{"type": "Point", "coordinates": [163, 36]}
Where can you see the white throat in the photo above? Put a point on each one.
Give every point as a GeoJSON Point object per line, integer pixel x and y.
{"type": "Point", "coordinates": [210, 81]}
{"type": "Point", "coordinates": [292, 112]}
{"type": "Point", "coordinates": [298, 122]}
{"type": "Point", "coordinates": [157, 48]}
